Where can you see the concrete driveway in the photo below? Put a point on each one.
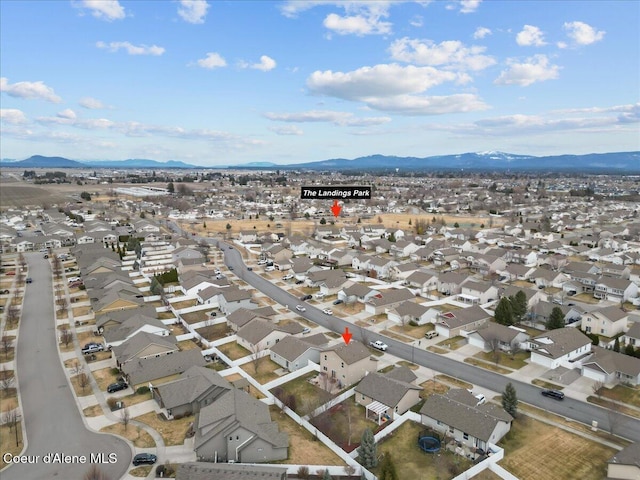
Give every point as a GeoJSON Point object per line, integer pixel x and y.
{"type": "Point", "coordinates": [52, 419]}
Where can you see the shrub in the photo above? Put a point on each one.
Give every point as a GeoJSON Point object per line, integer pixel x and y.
{"type": "Point", "coordinates": [111, 401]}
{"type": "Point", "coordinates": [303, 472]}
{"type": "Point", "coordinates": [115, 371]}
{"type": "Point", "coordinates": [413, 323]}
{"type": "Point", "coordinates": [142, 390]}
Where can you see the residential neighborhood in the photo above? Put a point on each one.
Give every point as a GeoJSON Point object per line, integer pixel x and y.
{"type": "Point", "coordinates": [221, 349]}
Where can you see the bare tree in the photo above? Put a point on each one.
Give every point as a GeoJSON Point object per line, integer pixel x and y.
{"type": "Point", "coordinates": [83, 380]}
{"type": "Point", "coordinates": [94, 473]}
{"type": "Point", "coordinates": [125, 417]}
{"type": "Point", "coordinates": [66, 337]}
{"type": "Point", "coordinates": [61, 301]}
{"type": "Point", "coordinates": [6, 342]}
{"type": "Point", "coordinates": [10, 418]}
{"type": "Point", "coordinates": [13, 314]}
{"type": "Point", "coordinates": [22, 261]}
{"type": "Point", "coordinates": [76, 367]}
{"type": "Point", "coordinates": [496, 352]}
{"type": "Point", "coordinates": [597, 388]}
{"type": "Point", "coordinates": [6, 380]}
{"type": "Point", "coordinates": [256, 356]}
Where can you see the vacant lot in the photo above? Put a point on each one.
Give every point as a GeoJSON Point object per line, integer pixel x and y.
{"type": "Point", "coordinates": [535, 450]}
{"type": "Point", "coordinates": [26, 195]}
{"type": "Point", "coordinates": [412, 463]}
{"type": "Point", "coordinates": [304, 448]}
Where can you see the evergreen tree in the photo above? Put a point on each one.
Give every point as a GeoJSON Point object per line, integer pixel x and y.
{"type": "Point", "coordinates": [510, 400]}
{"type": "Point", "coordinates": [170, 187]}
{"type": "Point", "coordinates": [323, 221]}
{"type": "Point", "coordinates": [504, 312]}
{"type": "Point", "coordinates": [556, 319]}
{"type": "Point", "coordinates": [456, 225]}
{"type": "Point", "coordinates": [629, 350]}
{"type": "Point", "coordinates": [387, 469]}
{"type": "Point", "coordinates": [519, 305]}
{"type": "Point", "coordinates": [616, 345]}
{"type": "Point", "coordinates": [327, 475]}
{"type": "Point", "coordinates": [368, 450]}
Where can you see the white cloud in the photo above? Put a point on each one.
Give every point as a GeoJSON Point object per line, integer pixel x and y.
{"type": "Point", "coordinates": [469, 6]}
{"type": "Point", "coordinates": [91, 103]}
{"type": "Point", "coordinates": [327, 116]}
{"type": "Point", "coordinates": [266, 63]}
{"type": "Point", "coordinates": [67, 114]}
{"type": "Point", "coordinates": [211, 61]}
{"type": "Point", "coordinates": [481, 32]}
{"type": "Point", "coordinates": [29, 90]}
{"type": "Point", "coordinates": [583, 34]}
{"type": "Point", "coordinates": [356, 25]}
{"type": "Point", "coordinates": [530, 36]}
{"type": "Point", "coordinates": [287, 130]}
{"type": "Point", "coordinates": [416, 21]}
{"type": "Point", "coordinates": [535, 69]}
{"type": "Point", "coordinates": [103, 9]}
{"type": "Point", "coordinates": [12, 116]}
{"type": "Point", "coordinates": [193, 11]}
{"type": "Point", "coordinates": [131, 49]}
{"type": "Point", "coordinates": [451, 54]}
{"type": "Point", "coordinates": [395, 88]}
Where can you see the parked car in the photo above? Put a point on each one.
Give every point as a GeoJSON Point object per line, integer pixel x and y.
{"type": "Point", "coordinates": [300, 308]}
{"type": "Point", "coordinates": [269, 269]}
{"type": "Point", "coordinates": [4, 292]}
{"type": "Point", "coordinates": [555, 394]}
{"type": "Point", "coordinates": [144, 459]}
{"type": "Point", "coordinates": [327, 311]}
{"type": "Point", "coordinates": [304, 298]}
{"type": "Point", "coordinates": [92, 349]}
{"type": "Point", "coordinates": [29, 280]}
{"type": "Point", "coordinates": [249, 268]}
{"type": "Point", "coordinates": [306, 330]}
{"type": "Point", "coordinates": [431, 334]}
{"type": "Point", "coordinates": [338, 302]}
{"type": "Point", "coordinates": [299, 282]}
{"type": "Point", "coordinates": [319, 295]}
{"type": "Point", "coordinates": [288, 277]}
{"type": "Point", "coordinates": [230, 268]}
{"type": "Point", "coordinates": [116, 387]}
{"type": "Point", "coordinates": [262, 262]}
{"type": "Point", "coordinates": [481, 399]}
{"type": "Point", "coordinates": [379, 345]}
{"type": "Point", "coordinates": [46, 255]}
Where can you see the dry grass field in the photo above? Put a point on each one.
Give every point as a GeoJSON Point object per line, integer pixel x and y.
{"type": "Point", "coordinates": [173, 431]}
{"type": "Point", "coordinates": [138, 436]}
{"type": "Point", "coordinates": [538, 451]}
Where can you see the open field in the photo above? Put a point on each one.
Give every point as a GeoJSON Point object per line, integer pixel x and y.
{"type": "Point", "coordinates": [17, 195]}
{"type": "Point", "coordinates": [535, 450]}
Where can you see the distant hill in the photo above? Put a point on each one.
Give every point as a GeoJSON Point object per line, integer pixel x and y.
{"type": "Point", "coordinates": [615, 162]}
{"type": "Point", "coordinates": [618, 161]}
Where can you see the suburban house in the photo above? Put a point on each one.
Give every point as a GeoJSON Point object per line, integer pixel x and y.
{"type": "Point", "coordinates": [477, 293]}
{"type": "Point", "coordinates": [544, 277]}
{"type": "Point", "coordinates": [260, 334]}
{"type": "Point", "coordinates": [387, 299]}
{"type": "Point", "coordinates": [240, 317]}
{"type": "Point", "coordinates": [144, 345]}
{"type": "Point", "coordinates": [231, 299]}
{"type": "Point", "coordinates": [133, 325]}
{"type": "Point", "coordinates": [293, 353]}
{"type": "Point", "coordinates": [348, 364]}
{"type": "Point", "coordinates": [356, 292]}
{"type": "Point", "coordinates": [383, 394]}
{"type": "Point", "coordinates": [159, 369]}
{"type": "Point", "coordinates": [610, 367]}
{"type": "Point", "coordinates": [457, 415]}
{"type": "Point", "coordinates": [410, 311]}
{"type": "Point", "coordinates": [560, 347]}
{"type": "Point", "coordinates": [541, 312]}
{"type": "Point", "coordinates": [632, 337]}
{"type": "Point", "coordinates": [450, 283]}
{"type": "Point", "coordinates": [625, 464]}
{"type": "Point", "coordinates": [196, 388]}
{"type": "Point", "coordinates": [616, 289]}
{"type": "Point", "coordinates": [423, 281]}
{"type": "Point", "coordinates": [607, 321]}
{"type": "Point", "coordinates": [461, 322]}
{"type": "Point", "coordinates": [494, 336]}
{"type": "Point", "coordinates": [231, 471]}
{"type": "Point", "coordinates": [116, 318]}
{"type": "Point", "coordinates": [120, 299]}
{"type": "Point", "coordinates": [237, 427]}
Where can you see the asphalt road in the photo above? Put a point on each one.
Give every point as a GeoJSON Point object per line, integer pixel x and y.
{"type": "Point", "coordinates": [53, 421]}
{"type": "Point", "coordinates": [624, 426]}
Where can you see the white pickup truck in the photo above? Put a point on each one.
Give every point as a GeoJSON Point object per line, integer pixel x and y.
{"type": "Point", "coordinates": [379, 345]}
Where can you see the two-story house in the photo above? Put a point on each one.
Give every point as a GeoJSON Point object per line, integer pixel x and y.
{"type": "Point", "coordinates": [348, 363]}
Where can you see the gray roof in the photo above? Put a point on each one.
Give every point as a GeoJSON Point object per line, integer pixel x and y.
{"type": "Point", "coordinates": [613, 313]}
{"type": "Point", "coordinates": [411, 308]}
{"type": "Point", "coordinates": [238, 408]}
{"type": "Point", "coordinates": [493, 330]}
{"type": "Point", "coordinates": [357, 289]}
{"type": "Point", "coordinates": [145, 370]}
{"type": "Point", "coordinates": [384, 389]}
{"type": "Point", "coordinates": [229, 471]}
{"type": "Point", "coordinates": [235, 294]}
{"type": "Point", "coordinates": [388, 297]}
{"type": "Point", "coordinates": [477, 422]}
{"type": "Point", "coordinates": [132, 297]}
{"type": "Point", "coordinates": [464, 316]}
{"type": "Point", "coordinates": [290, 348]}
{"type": "Point", "coordinates": [610, 362]}
{"type": "Point", "coordinates": [557, 343]}
{"type": "Point", "coordinates": [613, 282]}
{"type": "Point", "coordinates": [129, 326]}
{"type": "Point", "coordinates": [242, 316]}
{"type": "Point", "coordinates": [627, 456]}
{"type": "Point", "coordinates": [351, 353]}
{"type": "Point", "coordinates": [419, 277]}
{"type": "Point", "coordinates": [402, 374]}
{"type": "Point", "coordinates": [193, 383]}
{"type": "Point", "coordinates": [634, 330]}
{"type": "Point", "coordinates": [129, 349]}
{"type": "Point", "coordinates": [120, 316]}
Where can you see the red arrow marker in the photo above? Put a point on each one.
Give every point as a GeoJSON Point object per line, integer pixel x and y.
{"type": "Point", "coordinates": [336, 210]}
{"type": "Point", "coordinates": [346, 335]}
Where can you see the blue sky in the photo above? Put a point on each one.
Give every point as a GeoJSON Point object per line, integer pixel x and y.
{"type": "Point", "coordinates": [230, 82]}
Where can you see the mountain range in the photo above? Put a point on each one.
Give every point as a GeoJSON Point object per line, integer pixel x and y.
{"type": "Point", "coordinates": [614, 162]}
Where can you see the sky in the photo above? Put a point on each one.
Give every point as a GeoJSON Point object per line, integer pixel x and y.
{"type": "Point", "coordinates": [231, 82]}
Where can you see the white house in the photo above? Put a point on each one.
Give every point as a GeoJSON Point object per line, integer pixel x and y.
{"type": "Point", "coordinates": [559, 347]}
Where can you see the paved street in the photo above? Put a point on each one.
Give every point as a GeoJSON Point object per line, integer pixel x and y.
{"type": "Point", "coordinates": [51, 416]}
{"type": "Point", "coordinates": [624, 426]}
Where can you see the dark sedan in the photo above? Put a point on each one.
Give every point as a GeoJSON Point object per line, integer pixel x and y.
{"type": "Point", "coordinates": [144, 459]}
